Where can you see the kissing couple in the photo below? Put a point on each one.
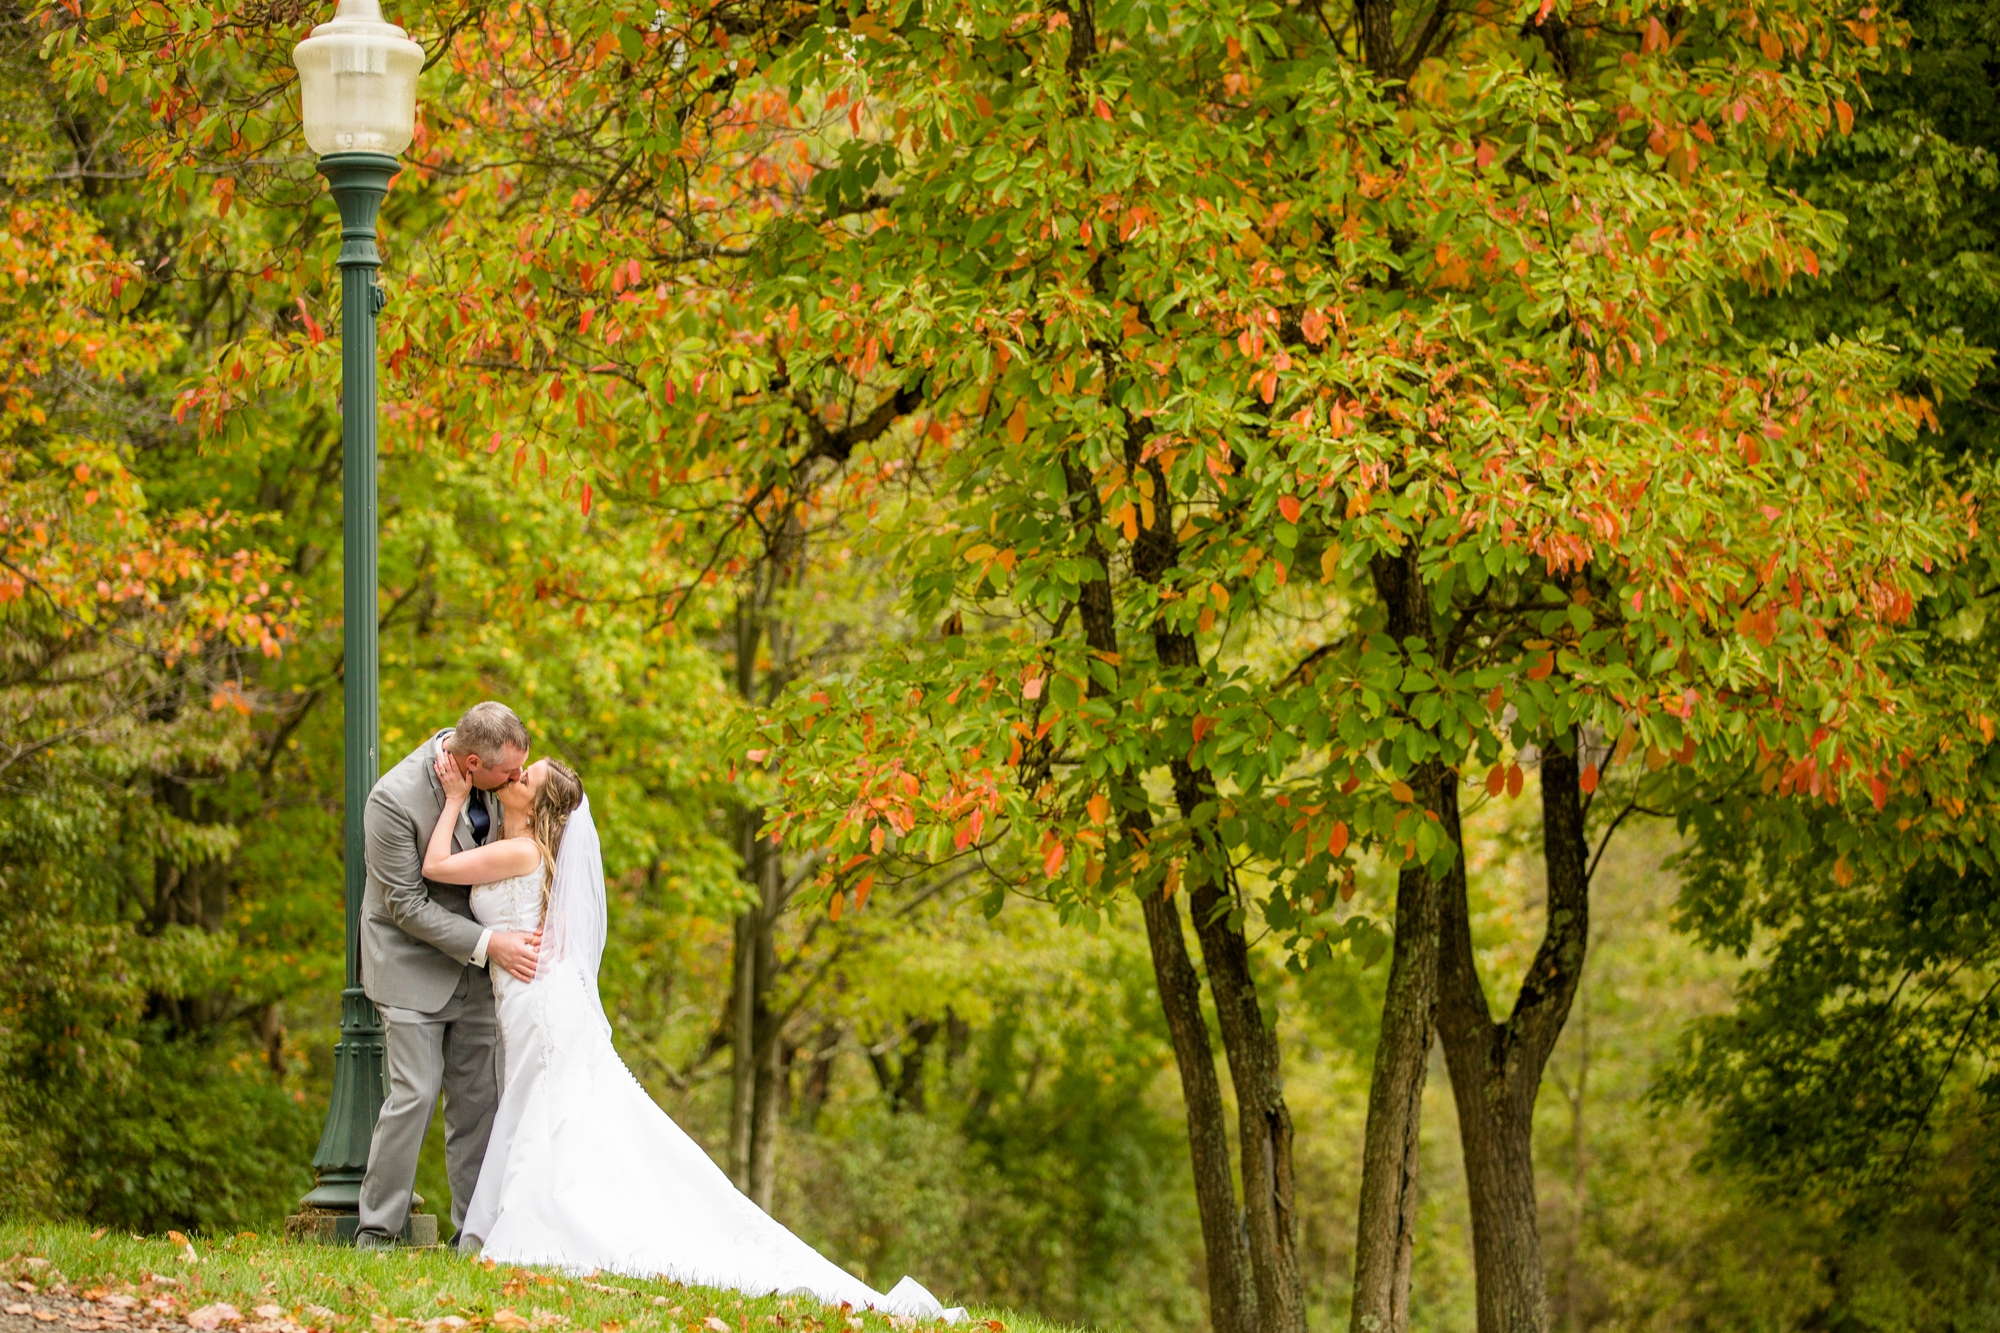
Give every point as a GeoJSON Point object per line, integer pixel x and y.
{"type": "Point", "coordinates": [481, 934]}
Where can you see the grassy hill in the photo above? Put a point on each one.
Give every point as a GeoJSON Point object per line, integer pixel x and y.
{"type": "Point", "coordinates": [66, 1276]}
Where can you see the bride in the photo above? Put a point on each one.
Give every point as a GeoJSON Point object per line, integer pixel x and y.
{"type": "Point", "coordinates": [583, 1169]}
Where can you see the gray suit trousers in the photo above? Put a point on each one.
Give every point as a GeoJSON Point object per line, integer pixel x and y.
{"type": "Point", "coordinates": [456, 1049]}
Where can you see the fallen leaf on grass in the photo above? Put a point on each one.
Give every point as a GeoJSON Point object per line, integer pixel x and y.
{"type": "Point", "coordinates": [508, 1320]}
{"type": "Point", "coordinates": [211, 1317]}
{"type": "Point", "coordinates": [47, 1316]}
{"type": "Point", "coordinates": [20, 1307]}
{"type": "Point", "coordinates": [269, 1312]}
{"type": "Point", "coordinates": [715, 1325]}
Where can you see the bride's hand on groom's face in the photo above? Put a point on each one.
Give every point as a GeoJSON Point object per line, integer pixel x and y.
{"type": "Point", "coordinates": [515, 951]}
{"type": "Point", "coordinates": [456, 784]}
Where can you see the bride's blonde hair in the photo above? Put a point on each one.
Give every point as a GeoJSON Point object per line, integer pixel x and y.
{"type": "Point", "coordinates": [561, 794]}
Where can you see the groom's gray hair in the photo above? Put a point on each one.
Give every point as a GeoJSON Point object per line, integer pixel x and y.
{"type": "Point", "coordinates": [486, 730]}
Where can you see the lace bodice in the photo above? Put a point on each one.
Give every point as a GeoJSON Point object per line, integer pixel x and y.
{"type": "Point", "coordinates": [510, 904]}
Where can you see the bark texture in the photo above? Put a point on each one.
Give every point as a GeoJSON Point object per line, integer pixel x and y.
{"type": "Point", "coordinates": [1264, 1123]}
{"type": "Point", "coordinates": [1385, 1234]}
{"type": "Point", "coordinates": [757, 1073]}
{"type": "Point", "coordinates": [1496, 1068]}
{"type": "Point", "coordinates": [1232, 1290]}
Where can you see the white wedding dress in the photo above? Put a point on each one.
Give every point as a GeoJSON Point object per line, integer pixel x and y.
{"type": "Point", "coordinates": [584, 1170]}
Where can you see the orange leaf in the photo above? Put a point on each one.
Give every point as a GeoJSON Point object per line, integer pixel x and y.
{"type": "Point", "coordinates": [1288, 505]}
{"type": "Point", "coordinates": [1541, 669]}
{"type": "Point", "coordinates": [1515, 780]}
{"type": "Point", "coordinates": [1099, 808]}
{"type": "Point", "coordinates": [1496, 780]}
{"type": "Point", "coordinates": [1202, 727]}
{"type": "Point", "coordinates": [1336, 842]}
{"type": "Point", "coordinates": [1845, 115]}
{"type": "Point", "coordinates": [1052, 863]}
{"type": "Point", "coordinates": [861, 890]}
{"type": "Point", "coordinates": [833, 908]}
{"type": "Point", "coordinates": [1103, 109]}
{"type": "Point", "coordinates": [1017, 424]}
{"type": "Point", "coordinates": [1401, 791]}
{"type": "Point", "coordinates": [1589, 779]}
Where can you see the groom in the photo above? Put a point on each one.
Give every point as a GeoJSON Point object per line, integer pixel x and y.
{"type": "Point", "coordinates": [423, 963]}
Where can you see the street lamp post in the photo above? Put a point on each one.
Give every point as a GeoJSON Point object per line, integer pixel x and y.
{"type": "Point", "coordinates": [358, 96]}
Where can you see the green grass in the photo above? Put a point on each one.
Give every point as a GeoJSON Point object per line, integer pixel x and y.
{"type": "Point", "coordinates": [337, 1290]}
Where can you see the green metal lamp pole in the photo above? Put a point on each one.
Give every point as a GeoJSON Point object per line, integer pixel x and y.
{"type": "Point", "coordinates": [358, 102]}
{"type": "Point", "coordinates": [360, 1072]}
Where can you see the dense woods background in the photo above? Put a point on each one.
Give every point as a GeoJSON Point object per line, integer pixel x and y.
{"type": "Point", "coordinates": [987, 495]}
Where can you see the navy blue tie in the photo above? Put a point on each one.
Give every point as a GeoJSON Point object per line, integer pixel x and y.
{"type": "Point", "coordinates": [482, 823]}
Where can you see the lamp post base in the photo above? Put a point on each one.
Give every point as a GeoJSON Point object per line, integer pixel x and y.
{"type": "Point", "coordinates": [420, 1232]}
{"type": "Point", "coordinates": [360, 1082]}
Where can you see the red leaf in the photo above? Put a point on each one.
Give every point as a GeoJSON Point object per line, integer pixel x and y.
{"type": "Point", "coordinates": [1878, 791]}
{"type": "Point", "coordinates": [1543, 12]}
{"type": "Point", "coordinates": [1103, 109]}
{"type": "Point", "coordinates": [314, 333]}
{"type": "Point", "coordinates": [1288, 505]}
{"type": "Point", "coordinates": [1589, 779]}
{"type": "Point", "coordinates": [1496, 781]}
{"type": "Point", "coordinates": [1202, 726]}
{"type": "Point", "coordinates": [586, 497]}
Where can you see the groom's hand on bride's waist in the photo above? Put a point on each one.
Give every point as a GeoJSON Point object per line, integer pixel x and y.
{"type": "Point", "coordinates": [515, 951]}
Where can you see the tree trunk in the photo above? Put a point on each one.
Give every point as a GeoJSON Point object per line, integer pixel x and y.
{"type": "Point", "coordinates": [1385, 1234]}
{"type": "Point", "coordinates": [1264, 1123]}
{"type": "Point", "coordinates": [743, 1013]}
{"type": "Point", "coordinates": [766, 1037]}
{"type": "Point", "coordinates": [1496, 1068]}
{"type": "Point", "coordinates": [1232, 1296]}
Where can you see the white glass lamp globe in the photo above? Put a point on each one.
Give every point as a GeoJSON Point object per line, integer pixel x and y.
{"type": "Point", "coordinates": [358, 82]}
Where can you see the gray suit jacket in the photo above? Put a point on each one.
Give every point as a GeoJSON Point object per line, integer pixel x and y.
{"type": "Point", "coordinates": [417, 937]}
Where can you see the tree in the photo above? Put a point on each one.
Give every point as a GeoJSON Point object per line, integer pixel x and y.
{"type": "Point", "coordinates": [124, 628]}
{"type": "Point", "coordinates": [1843, 1075]}
{"type": "Point", "coordinates": [1434, 306]}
